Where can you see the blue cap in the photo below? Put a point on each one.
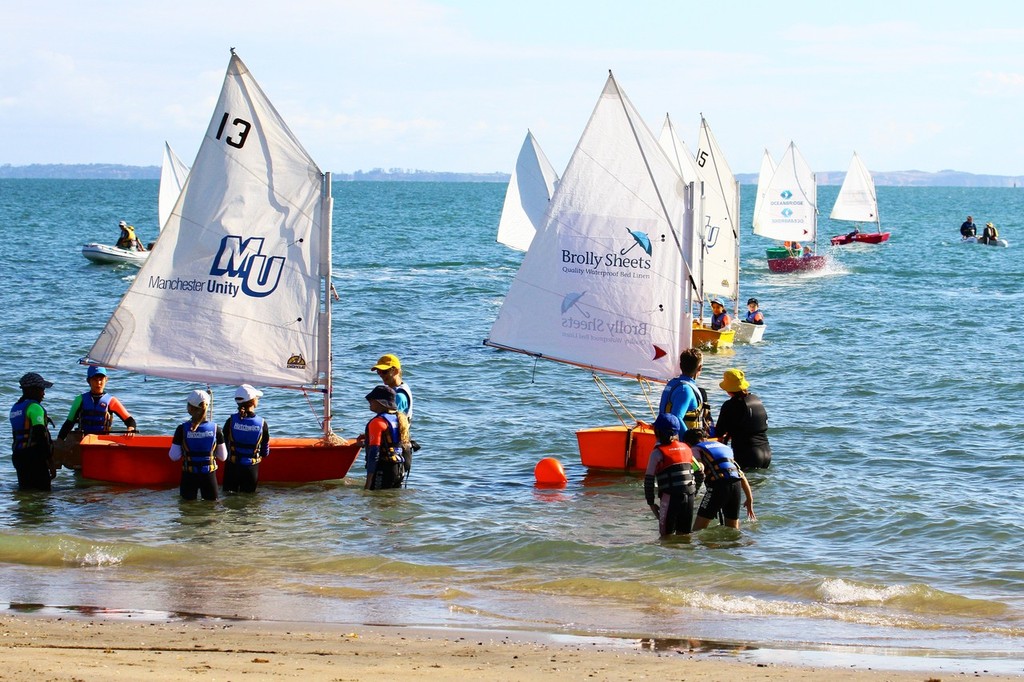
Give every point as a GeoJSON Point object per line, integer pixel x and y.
{"type": "Point", "coordinates": [95, 370]}
{"type": "Point", "coordinates": [667, 422]}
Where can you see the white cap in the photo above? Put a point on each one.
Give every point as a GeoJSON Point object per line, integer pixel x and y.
{"type": "Point", "coordinates": [246, 392]}
{"type": "Point", "coordinates": [198, 398]}
{"type": "Point", "coordinates": [122, 224]}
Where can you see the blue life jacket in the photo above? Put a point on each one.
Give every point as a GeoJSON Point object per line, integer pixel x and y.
{"type": "Point", "coordinates": [244, 439]}
{"type": "Point", "coordinates": [94, 415]}
{"type": "Point", "coordinates": [718, 462]}
{"type": "Point", "coordinates": [198, 447]}
{"type": "Point", "coordinates": [20, 427]}
{"type": "Point", "coordinates": [752, 317]}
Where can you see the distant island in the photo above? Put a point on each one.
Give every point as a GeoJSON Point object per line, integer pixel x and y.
{"type": "Point", "coordinates": [110, 171]}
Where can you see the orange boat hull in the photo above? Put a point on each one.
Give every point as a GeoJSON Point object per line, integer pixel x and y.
{"type": "Point", "coordinates": [143, 461]}
{"type": "Point", "coordinates": [617, 448]}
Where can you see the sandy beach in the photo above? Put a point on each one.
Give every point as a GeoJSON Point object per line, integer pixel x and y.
{"type": "Point", "coordinates": [88, 649]}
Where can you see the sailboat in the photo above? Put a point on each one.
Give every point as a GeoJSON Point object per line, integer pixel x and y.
{"type": "Point", "coordinates": [526, 199]}
{"type": "Point", "coordinates": [607, 283]}
{"type": "Point", "coordinates": [236, 290]}
{"type": "Point", "coordinates": [172, 178]}
{"type": "Point", "coordinates": [858, 203]}
{"type": "Point", "coordinates": [788, 213]}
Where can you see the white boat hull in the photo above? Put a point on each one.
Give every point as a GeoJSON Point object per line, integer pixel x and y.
{"type": "Point", "coordinates": [104, 253]}
{"type": "Point", "coordinates": [748, 333]}
{"type": "Point", "coordinates": [975, 240]}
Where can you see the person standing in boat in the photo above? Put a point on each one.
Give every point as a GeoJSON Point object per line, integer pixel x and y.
{"type": "Point", "coordinates": [724, 480]}
{"type": "Point", "coordinates": [247, 439]}
{"type": "Point", "coordinates": [681, 396]}
{"type": "Point", "coordinates": [199, 444]}
{"type": "Point", "coordinates": [719, 317]}
{"type": "Point", "coordinates": [383, 438]}
{"type": "Point", "coordinates": [33, 446]}
{"type": "Point", "coordinates": [389, 369]}
{"type": "Point", "coordinates": [743, 423]}
{"type": "Point", "coordinates": [93, 412]}
{"type": "Point", "coordinates": [968, 228]}
{"type": "Point", "coordinates": [754, 314]}
{"type": "Point", "coordinates": [670, 468]}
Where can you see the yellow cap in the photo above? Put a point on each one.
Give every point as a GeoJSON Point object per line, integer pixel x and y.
{"type": "Point", "coordinates": [387, 362]}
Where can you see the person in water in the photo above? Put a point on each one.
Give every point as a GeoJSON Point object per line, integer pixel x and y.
{"type": "Point", "coordinates": [724, 480]}
{"type": "Point", "coordinates": [128, 239]}
{"type": "Point", "coordinates": [681, 396]}
{"type": "Point", "coordinates": [719, 317]}
{"type": "Point", "coordinates": [671, 469]}
{"type": "Point", "coordinates": [968, 228]}
{"type": "Point", "coordinates": [33, 447]}
{"type": "Point", "coordinates": [199, 444]}
{"type": "Point", "coordinates": [247, 439]}
{"type": "Point", "coordinates": [383, 437]}
{"type": "Point", "coordinates": [743, 423]}
{"type": "Point", "coordinates": [389, 369]}
{"type": "Point", "coordinates": [93, 412]}
{"type": "Point", "coordinates": [990, 235]}
{"type": "Point", "coordinates": [754, 314]}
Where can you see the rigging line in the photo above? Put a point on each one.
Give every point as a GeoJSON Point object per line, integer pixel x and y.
{"type": "Point", "coordinates": [650, 173]}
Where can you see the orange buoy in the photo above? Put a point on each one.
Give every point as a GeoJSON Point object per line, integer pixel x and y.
{"type": "Point", "coordinates": [549, 472]}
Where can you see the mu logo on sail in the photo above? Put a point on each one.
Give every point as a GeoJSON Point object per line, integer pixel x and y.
{"type": "Point", "coordinates": [259, 274]}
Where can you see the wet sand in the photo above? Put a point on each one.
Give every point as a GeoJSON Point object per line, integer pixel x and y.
{"type": "Point", "coordinates": [88, 649]}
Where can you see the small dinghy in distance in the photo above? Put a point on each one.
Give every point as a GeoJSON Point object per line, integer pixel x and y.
{"type": "Point", "coordinates": [857, 203]}
{"type": "Point", "coordinates": [113, 255]}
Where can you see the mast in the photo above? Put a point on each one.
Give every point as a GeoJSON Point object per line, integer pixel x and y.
{"type": "Point", "coordinates": [327, 214]}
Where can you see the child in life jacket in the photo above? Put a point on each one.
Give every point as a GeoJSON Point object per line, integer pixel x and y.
{"type": "Point", "coordinates": [671, 468]}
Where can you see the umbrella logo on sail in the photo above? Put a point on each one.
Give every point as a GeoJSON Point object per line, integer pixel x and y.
{"type": "Point", "coordinates": [639, 239]}
{"type": "Point", "coordinates": [571, 300]}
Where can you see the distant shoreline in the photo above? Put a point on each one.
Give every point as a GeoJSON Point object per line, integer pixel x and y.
{"type": "Point", "coordinates": [107, 171]}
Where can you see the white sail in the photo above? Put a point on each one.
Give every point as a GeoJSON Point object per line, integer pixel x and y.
{"type": "Point", "coordinates": [526, 199]}
{"type": "Point", "coordinates": [764, 176]}
{"type": "Point", "coordinates": [686, 165]}
{"type": "Point", "coordinates": [720, 236]}
{"type": "Point", "coordinates": [789, 208]}
{"type": "Point", "coordinates": [856, 201]}
{"type": "Point", "coordinates": [235, 289]}
{"type": "Point", "coordinates": [172, 178]}
{"type": "Point", "coordinates": [605, 283]}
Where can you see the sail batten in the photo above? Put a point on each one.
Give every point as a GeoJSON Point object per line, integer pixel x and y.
{"type": "Point", "coordinates": [233, 291]}
{"type": "Point", "coordinates": [603, 283]}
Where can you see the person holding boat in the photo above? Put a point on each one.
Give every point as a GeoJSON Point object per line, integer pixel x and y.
{"type": "Point", "coordinates": [719, 317]}
{"type": "Point", "coordinates": [247, 439]}
{"type": "Point", "coordinates": [389, 369]}
{"type": "Point", "coordinates": [989, 235]}
{"type": "Point", "coordinates": [671, 468]}
{"type": "Point", "coordinates": [743, 423]}
{"type": "Point", "coordinates": [33, 446]}
{"type": "Point", "coordinates": [968, 228]}
{"type": "Point", "coordinates": [199, 444]}
{"type": "Point", "coordinates": [754, 314]}
{"type": "Point", "coordinates": [383, 438]}
{"type": "Point", "coordinates": [93, 411]}
{"type": "Point", "coordinates": [724, 480]}
{"type": "Point", "coordinates": [681, 396]}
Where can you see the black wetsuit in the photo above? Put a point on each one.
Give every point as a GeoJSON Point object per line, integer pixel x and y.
{"type": "Point", "coordinates": [744, 421]}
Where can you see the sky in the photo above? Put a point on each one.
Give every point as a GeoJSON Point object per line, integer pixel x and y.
{"type": "Point", "coordinates": [454, 85]}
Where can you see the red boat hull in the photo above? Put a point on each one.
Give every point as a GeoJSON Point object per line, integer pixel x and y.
{"type": "Point", "coordinates": [802, 264]}
{"type": "Point", "coordinates": [860, 238]}
{"type": "Point", "coordinates": [616, 448]}
{"type": "Point", "coordinates": [143, 461]}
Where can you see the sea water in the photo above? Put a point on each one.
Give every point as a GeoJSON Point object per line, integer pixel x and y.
{"type": "Point", "coordinates": [889, 521]}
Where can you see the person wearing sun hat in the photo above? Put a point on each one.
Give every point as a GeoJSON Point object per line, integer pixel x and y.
{"type": "Point", "coordinates": [743, 423]}
{"type": "Point", "coordinates": [389, 369]}
{"type": "Point", "coordinates": [199, 444]}
{"type": "Point", "coordinates": [247, 439]}
{"type": "Point", "coordinates": [385, 439]}
{"type": "Point", "coordinates": [93, 412]}
{"type": "Point", "coordinates": [33, 446]}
